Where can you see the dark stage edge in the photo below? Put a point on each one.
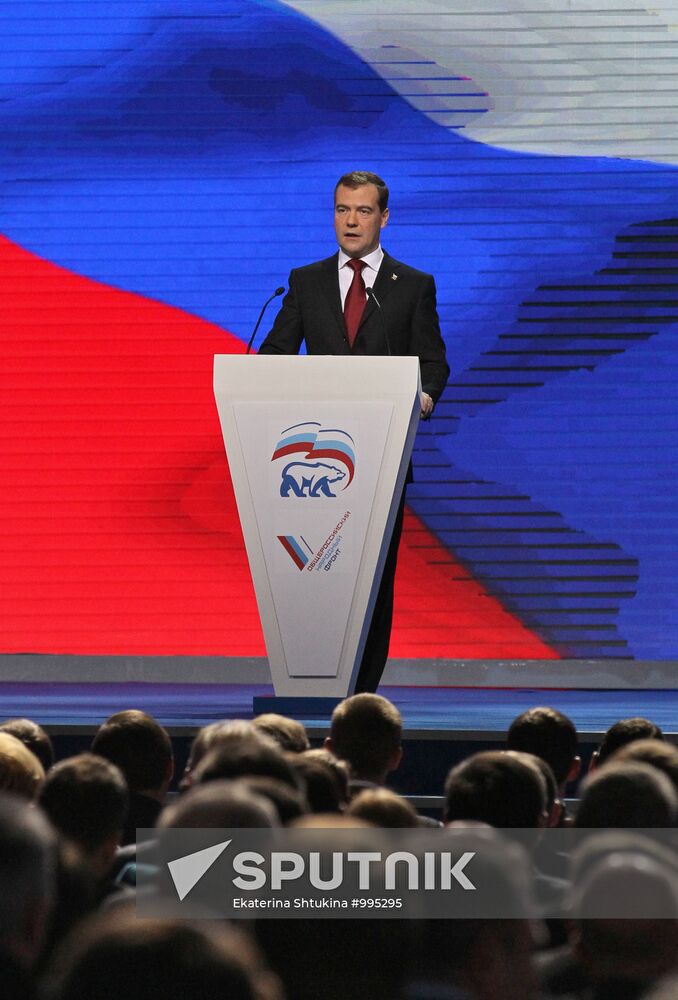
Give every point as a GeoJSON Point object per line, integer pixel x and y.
{"type": "Point", "coordinates": [428, 713]}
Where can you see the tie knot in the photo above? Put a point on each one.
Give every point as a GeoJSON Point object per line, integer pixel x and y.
{"type": "Point", "coordinates": [356, 265]}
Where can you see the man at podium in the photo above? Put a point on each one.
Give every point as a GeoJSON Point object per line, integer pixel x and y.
{"type": "Point", "coordinates": [362, 301]}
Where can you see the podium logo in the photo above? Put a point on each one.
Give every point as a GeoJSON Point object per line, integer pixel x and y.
{"type": "Point", "coordinates": [323, 463]}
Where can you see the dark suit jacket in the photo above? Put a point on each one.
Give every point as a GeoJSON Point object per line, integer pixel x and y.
{"type": "Point", "coordinates": [311, 311]}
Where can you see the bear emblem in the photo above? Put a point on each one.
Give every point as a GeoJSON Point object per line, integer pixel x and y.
{"type": "Point", "coordinates": [309, 479]}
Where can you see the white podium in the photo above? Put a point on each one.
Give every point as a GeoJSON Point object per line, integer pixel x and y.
{"type": "Point", "coordinates": [318, 449]}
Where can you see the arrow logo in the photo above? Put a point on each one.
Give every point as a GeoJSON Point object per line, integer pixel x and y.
{"type": "Point", "coordinates": [187, 871]}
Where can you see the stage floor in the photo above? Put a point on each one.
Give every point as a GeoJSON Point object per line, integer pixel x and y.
{"type": "Point", "coordinates": [428, 713]}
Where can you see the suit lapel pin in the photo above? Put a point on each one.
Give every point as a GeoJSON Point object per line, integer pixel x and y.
{"type": "Point", "coordinates": [394, 277]}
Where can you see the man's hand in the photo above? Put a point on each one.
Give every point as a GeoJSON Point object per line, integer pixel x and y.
{"type": "Point", "coordinates": [426, 406]}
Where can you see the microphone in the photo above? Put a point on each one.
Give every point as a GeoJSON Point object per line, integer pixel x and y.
{"type": "Point", "coordinates": [276, 293]}
{"type": "Point", "coordinates": [370, 292]}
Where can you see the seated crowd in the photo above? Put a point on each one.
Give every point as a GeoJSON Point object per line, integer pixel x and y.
{"type": "Point", "coordinates": [69, 854]}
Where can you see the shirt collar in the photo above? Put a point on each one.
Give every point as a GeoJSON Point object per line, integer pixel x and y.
{"type": "Point", "coordinates": [372, 260]}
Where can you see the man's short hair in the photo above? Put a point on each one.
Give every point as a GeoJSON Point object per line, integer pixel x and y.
{"type": "Point", "coordinates": [384, 808]}
{"type": "Point", "coordinates": [115, 955]}
{"type": "Point", "coordinates": [359, 178]}
{"type": "Point", "coordinates": [546, 733]}
{"type": "Point", "coordinates": [339, 769]}
{"type": "Point", "coordinates": [366, 730]}
{"type": "Point", "coordinates": [252, 753]}
{"type": "Point", "coordinates": [20, 770]}
{"type": "Point", "coordinates": [32, 736]}
{"type": "Point", "coordinates": [657, 753]}
{"type": "Point", "coordinates": [495, 788]}
{"type": "Point", "coordinates": [626, 731]}
{"type": "Point", "coordinates": [288, 733]}
{"type": "Point", "coordinates": [627, 795]}
{"type": "Point", "coordinates": [138, 745]}
{"type": "Point", "coordinates": [86, 799]}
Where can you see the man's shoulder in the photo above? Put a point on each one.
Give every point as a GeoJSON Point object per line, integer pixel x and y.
{"type": "Point", "coordinates": [315, 266]}
{"type": "Point", "coordinates": [405, 270]}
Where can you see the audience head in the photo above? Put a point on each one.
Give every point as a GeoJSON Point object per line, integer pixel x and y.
{"type": "Point", "coordinates": [141, 748]}
{"type": "Point", "coordinates": [383, 808]}
{"type": "Point", "coordinates": [32, 736]}
{"type": "Point", "coordinates": [289, 734]}
{"type": "Point", "coordinates": [319, 782]}
{"type": "Point", "coordinates": [366, 731]}
{"type": "Point", "coordinates": [206, 738]}
{"type": "Point", "coordinates": [86, 799]}
{"type": "Point", "coordinates": [550, 735]}
{"type": "Point", "coordinates": [339, 770]}
{"type": "Point", "coordinates": [501, 789]}
{"type": "Point", "coordinates": [657, 753]}
{"type": "Point", "coordinates": [27, 858]}
{"type": "Point", "coordinates": [624, 911]}
{"type": "Point", "coordinates": [484, 958]}
{"type": "Point", "coordinates": [219, 805]}
{"type": "Point", "coordinates": [242, 756]}
{"type": "Point", "coordinates": [623, 732]}
{"type": "Point", "coordinates": [628, 794]}
{"type": "Point", "coordinates": [20, 770]}
{"type": "Point", "coordinates": [116, 956]}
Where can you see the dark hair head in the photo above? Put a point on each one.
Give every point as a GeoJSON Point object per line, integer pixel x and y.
{"type": "Point", "coordinates": [32, 736]}
{"type": "Point", "coordinates": [626, 731]}
{"type": "Point", "coordinates": [359, 178]}
{"type": "Point", "coordinates": [383, 808]}
{"type": "Point", "coordinates": [288, 733]}
{"type": "Point", "coordinates": [116, 955]}
{"type": "Point", "coordinates": [139, 746]}
{"type": "Point", "coordinates": [495, 788]}
{"type": "Point", "coordinates": [546, 733]}
{"type": "Point", "coordinates": [657, 753]}
{"type": "Point", "coordinates": [366, 731]}
{"type": "Point", "coordinates": [250, 754]}
{"type": "Point", "coordinates": [339, 769]}
{"type": "Point", "coordinates": [627, 795]}
{"type": "Point", "coordinates": [322, 790]}
{"type": "Point", "coordinates": [86, 799]}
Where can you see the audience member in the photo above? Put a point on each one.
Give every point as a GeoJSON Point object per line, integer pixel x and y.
{"type": "Point", "coordinates": [320, 784]}
{"type": "Point", "coordinates": [339, 770]}
{"type": "Point", "coordinates": [551, 736]}
{"type": "Point", "coordinates": [208, 737]}
{"type": "Point", "coordinates": [366, 731]}
{"type": "Point", "coordinates": [383, 808]}
{"type": "Point", "coordinates": [27, 859]}
{"type": "Point", "coordinates": [480, 957]}
{"type": "Point", "coordinates": [628, 794]}
{"type": "Point", "coordinates": [243, 755]}
{"type": "Point", "coordinates": [116, 956]}
{"type": "Point", "coordinates": [289, 734]}
{"type": "Point", "coordinates": [142, 749]}
{"type": "Point", "coordinates": [624, 925]}
{"type": "Point", "coordinates": [497, 788]}
{"type": "Point", "coordinates": [86, 799]}
{"type": "Point", "coordinates": [657, 753]}
{"type": "Point", "coordinates": [623, 732]}
{"type": "Point", "coordinates": [32, 736]}
{"type": "Point", "coordinates": [20, 770]}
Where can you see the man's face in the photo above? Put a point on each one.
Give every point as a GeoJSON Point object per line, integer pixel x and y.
{"type": "Point", "coordinates": [357, 219]}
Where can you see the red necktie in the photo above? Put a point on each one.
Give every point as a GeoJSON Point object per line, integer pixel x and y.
{"type": "Point", "coordinates": [356, 298]}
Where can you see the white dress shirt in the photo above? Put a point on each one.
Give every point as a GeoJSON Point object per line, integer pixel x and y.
{"type": "Point", "coordinates": [372, 263]}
